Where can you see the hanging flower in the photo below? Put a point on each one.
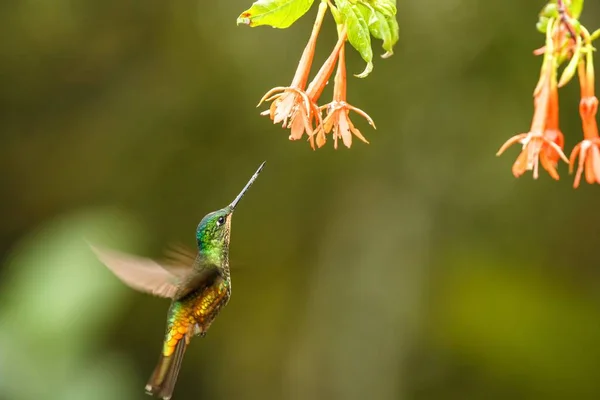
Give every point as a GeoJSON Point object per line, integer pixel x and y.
{"type": "Point", "coordinates": [291, 104]}
{"type": "Point", "coordinates": [314, 91]}
{"type": "Point", "coordinates": [338, 119]}
{"type": "Point", "coordinates": [544, 141]}
{"type": "Point", "coordinates": [567, 42]}
{"type": "Point", "coordinates": [588, 150]}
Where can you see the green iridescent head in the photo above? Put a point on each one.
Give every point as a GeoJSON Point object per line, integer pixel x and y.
{"type": "Point", "coordinates": [214, 230]}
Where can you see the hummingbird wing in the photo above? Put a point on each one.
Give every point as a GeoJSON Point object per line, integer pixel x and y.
{"type": "Point", "coordinates": [140, 273]}
{"type": "Point", "coordinates": [201, 276]}
{"type": "Point", "coordinates": [179, 259]}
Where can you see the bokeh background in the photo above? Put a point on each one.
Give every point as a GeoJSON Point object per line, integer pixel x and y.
{"type": "Point", "coordinates": [413, 268]}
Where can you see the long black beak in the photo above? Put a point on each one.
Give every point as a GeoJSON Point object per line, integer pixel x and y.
{"type": "Point", "coordinates": [235, 202]}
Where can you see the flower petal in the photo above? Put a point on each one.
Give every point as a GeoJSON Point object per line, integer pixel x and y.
{"type": "Point", "coordinates": [580, 167]}
{"type": "Point", "coordinates": [558, 150]}
{"type": "Point", "coordinates": [362, 114]}
{"type": "Point", "coordinates": [520, 165]}
{"type": "Point", "coordinates": [344, 129]}
{"type": "Point", "coordinates": [282, 108]}
{"type": "Point", "coordinates": [573, 157]}
{"type": "Point", "coordinates": [335, 137]}
{"type": "Point", "coordinates": [321, 138]}
{"type": "Point", "coordinates": [357, 133]}
{"type": "Point", "coordinates": [548, 165]}
{"type": "Point", "coordinates": [510, 142]}
{"type": "Point", "coordinates": [589, 169]}
{"type": "Point", "coordinates": [268, 96]}
{"type": "Point", "coordinates": [329, 121]}
{"type": "Point", "coordinates": [296, 127]}
{"type": "Point", "coordinates": [595, 157]}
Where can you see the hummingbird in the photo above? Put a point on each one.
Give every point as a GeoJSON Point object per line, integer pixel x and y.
{"type": "Point", "coordinates": [199, 286]}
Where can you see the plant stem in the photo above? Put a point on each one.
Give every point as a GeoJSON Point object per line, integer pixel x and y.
{"type": "Point", "coordinates": [562, 11]}
{"type": "Point", "coordinates": [320, 80]}
{"type": "Point", "coordinates": [303, 70]}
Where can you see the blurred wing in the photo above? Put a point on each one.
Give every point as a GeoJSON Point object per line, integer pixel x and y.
{"type": "Point", "coordinates": [201, 277]}
{"type": "Point", "coordinates": [139, 273]}
{"type": "Point", "coordinates": [178, 260]}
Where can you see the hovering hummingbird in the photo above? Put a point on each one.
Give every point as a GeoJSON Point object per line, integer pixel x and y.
{"type": "Point", "coordinates": [199, 287]}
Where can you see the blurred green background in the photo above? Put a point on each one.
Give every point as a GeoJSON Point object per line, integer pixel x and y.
{"type": "Point", "coordinates": [415, 267]}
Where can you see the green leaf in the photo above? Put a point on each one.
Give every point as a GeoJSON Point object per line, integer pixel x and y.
{"type": "Point", "coordinates": [394, 29]}
{"type": "Point", "coordinates": [550, 10]}
{"type": "Point", "coordinates": [386, 7]}
{"type": "Point", "coordinates": [358, 32]}
{"type": "Point", "coordinates": [386, 29]}
{"type": "Point", "coordinates": [384, 21]}
{"type": "Point", "coordinates": [367, 12]}
{"type": "Point", "coordinates": [542, 24]}
{"type": "Point", "coordinates": [576, 8]}
{"type": "Point", "coordinates": [595, 35]}
{"type": "Point", "coordinates": [276, 13]}
{"type": "Point", "coordinates": [379, 27]}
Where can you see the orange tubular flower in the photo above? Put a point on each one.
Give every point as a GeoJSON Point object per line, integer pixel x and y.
{"type": "Point", "coordinates": [568, 42]}
{"type": "Point", "coordinates": [544, 141]}
{"type": "Point", "coordinates": [315, 88]}
{"type": "Point", "coordinates": [338, 110]}
{"type": "Point", "coordinates": [292, 100]}
{"type": "Point", "coordinates": [550, 156]}
{"type": "Point", "coordinates": [588, 150]}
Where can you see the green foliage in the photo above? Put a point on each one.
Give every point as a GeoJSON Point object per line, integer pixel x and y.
{"type": "Point", "coordinates": [575, 8]}
{"type": "Point", "coordinates": [365, 18]}
{"type": "Point", "coordinates": [353, 16]}
{"type": "Point", "coordinates": [383, 25]}
{"type": "Point", "coordinates": [551, 10]}
{"type": "Point", "coordinates": [381, 29]}
{"type": "Point", "coordinates": [362, 18]}
{"type": "Point", "coordinates": [275, 13]}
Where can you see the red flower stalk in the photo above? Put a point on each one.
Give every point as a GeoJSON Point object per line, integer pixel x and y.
{"type": "Point", "coordinates": [338, 110]}
{"type": "Point", "coordinates": [588, 150]}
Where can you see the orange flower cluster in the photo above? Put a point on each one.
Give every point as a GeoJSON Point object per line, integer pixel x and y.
{"type": "Point", "coordinates": [587, 150]}
{"type": "Point", "coordinates": [295, 106]}
{"type": "Point", "coordinates": [566, 40]}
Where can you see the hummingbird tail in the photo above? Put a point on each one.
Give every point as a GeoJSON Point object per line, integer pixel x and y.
{"type": "Point", "coordinates": [162, 381]}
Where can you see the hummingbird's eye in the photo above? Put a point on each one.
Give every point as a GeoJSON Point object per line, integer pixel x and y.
{"type": "Point", "coordinates": [220, 221]}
